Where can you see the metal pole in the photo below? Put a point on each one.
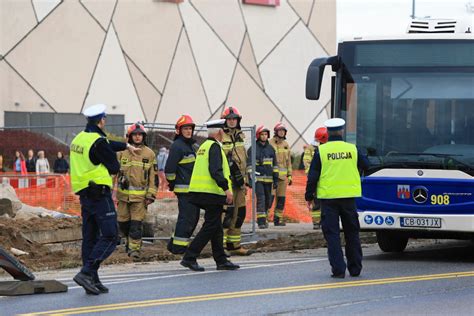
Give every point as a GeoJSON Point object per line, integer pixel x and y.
{"type": "Point", "coordinates": [254, 163]}
{"type": "Point", "coordinates": [413, 9]}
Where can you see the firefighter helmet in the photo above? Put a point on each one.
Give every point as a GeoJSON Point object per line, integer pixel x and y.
{"type": "Point", "coordinates": [231, 112]}
{"type": "Point", "coordinates": [262, 129]}
{"type": "Point", "coordinates": [321, 135]}
{"type": "Point", "coordinates": [135, 129]}
{"type": "Point", "coordinates": [184, 120]}
{"type": "Point", "coordinates": [280, 126]}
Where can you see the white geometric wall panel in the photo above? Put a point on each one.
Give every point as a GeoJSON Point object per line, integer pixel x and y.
{"type": "Point", "coordinates": [183, 93]}
{"type": "Point", "coordinates": [112, 83]}
{"type": "Point", "coordinates": [284, 76]}
{"type": "Point", "coordinates": [154, 60]}
{"type": "Point", "coordinates": [17, 18]}
{"type": "Point", "coordinates": [225, 18]}
{"type": "Point", "coordinates": [101, 10]}
{"type": "Point", "coordinates": [216, 64]}
{"type": "Point", "coordinates": [59, 56]}
{"type": "Point", "coordinates": [148, 32]}
{"type": "Point", "coordinates": [267, 26]}
{"type": "Point", "coordinates": [43, 7]}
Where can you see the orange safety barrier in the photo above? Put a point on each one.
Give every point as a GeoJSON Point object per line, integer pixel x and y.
{"type": "Point", "coordinates": [53, 192]}
{"type": "Point", "coordinates": [295, 206]}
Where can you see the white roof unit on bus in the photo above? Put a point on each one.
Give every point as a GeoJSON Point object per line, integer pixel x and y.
{"type": "Point", "coordinates": [437, 26]}
{"type": "Point", "coordinates": [413, 36]}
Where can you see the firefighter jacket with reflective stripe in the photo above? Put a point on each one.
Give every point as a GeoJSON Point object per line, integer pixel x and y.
{"type": "Point", "coordinates": [82, 168]}
{"type": "Point", "coordinates": [201, 179]}
{"type": "Point", "coordinates": [265, 164]}
{"type": "Point", "coordinates": [339, 173]}
{"type": "Point", "coordinates": [233, 144]}
{"type": "Point", "coordinates": [283, 154]}
{"type": "Point", "coordinates": [138, 178]}
{"type": "Point", "coordinates": [308, 157]}
{"type": "Point", "coordinates": [180, 164]}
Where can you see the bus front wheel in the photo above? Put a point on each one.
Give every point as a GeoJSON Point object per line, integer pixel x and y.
{"type": "Point", "coordinates": [391, 241]}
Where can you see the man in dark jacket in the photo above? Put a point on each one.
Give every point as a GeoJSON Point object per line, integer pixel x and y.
{"type": "Point", "coordinates": [210, 189]}
{"type": "Point", "coordinates": [178, 170]}
{"type": "Point", "coordinates": [266, 174]}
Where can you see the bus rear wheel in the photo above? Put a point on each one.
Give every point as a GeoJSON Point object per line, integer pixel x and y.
{"type": "Point", "coordinates": [391, 241]}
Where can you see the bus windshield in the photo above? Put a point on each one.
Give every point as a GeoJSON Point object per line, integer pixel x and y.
{"type": "Point", "coordinates": [411, 117]}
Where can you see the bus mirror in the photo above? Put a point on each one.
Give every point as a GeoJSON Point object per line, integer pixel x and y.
{"type": "Point", "coordinates": [314, 76]}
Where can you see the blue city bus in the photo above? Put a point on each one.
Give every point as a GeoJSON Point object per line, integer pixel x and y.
{"type": "Point", "coordinates": [408, 103]}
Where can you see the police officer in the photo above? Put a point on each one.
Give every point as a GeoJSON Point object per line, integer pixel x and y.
{"type": "Point", "coordinates": [137, 187]}
{"type": "Point", "coordinates": [210, 189]}
{"type": "Point", "coordinates": [234, 148]}
{"type": "Point", "coordinates": [283, 152]}
{"type": "Point", "coordinates": [178, 170]}
{"type": "Point", "coordinates": [321, 137]}
{"type": "Point", "coordinates": [266, 174]}
{"type": "Point", "coordinates": [93, 161]}
{"type": "Point", "coordinates": [334, 177]}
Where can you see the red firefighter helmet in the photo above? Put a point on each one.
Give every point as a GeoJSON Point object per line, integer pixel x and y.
{"type": "Point", "coordinates": [184, 120]}
{"type": "Point", "coordinates": [321, 135]}
{"type": "Point", "coordinates": [279, 126]}
{"type": "Point", "coordinates": [231, 112]}
{"type": "Point", "coordinates": [261, 129]}
{"type": "Point", "coordinates": [136, 128]}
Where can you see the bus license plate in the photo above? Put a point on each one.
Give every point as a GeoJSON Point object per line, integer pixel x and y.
{"type": "Point", "coordinates": [430, 222]}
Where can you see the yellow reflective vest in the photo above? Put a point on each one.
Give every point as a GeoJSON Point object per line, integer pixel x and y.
{"type": "Point", "coordinates": [82, 168]}
{"type": "Point", "coordinates": [339, 174]}
{"type": "Point", "coordinates": [308, 157]}
{"type": "Point", "coordinates": [201, 180]}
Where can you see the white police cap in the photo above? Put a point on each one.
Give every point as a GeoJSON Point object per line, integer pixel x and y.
{"type": "Point", "coordinates": [95, 110]}
{"type": "Point", "coordinates": [220, 123]}
{"type": "Point", "coordinates": [335, 124]}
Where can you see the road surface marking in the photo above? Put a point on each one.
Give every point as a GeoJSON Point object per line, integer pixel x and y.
{"type": "Point", "coordinates": [250, 293]}
{"type": "Point", "coordinates": [190, 273]}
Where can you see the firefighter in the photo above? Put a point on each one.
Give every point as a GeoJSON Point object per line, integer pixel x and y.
{"type": "Point", "coordinates": [234, 148]}
{"type": "Point", "coordinates": [210, 189]}
{"type": "Point", "coordinates": [321, 137]}
{"type": "Point", "coordinates": [93, 161]}
{"type": "Point", "coordinates": [283, 154]}
{"type": "Point", "coordinates": [334, 179]}
{"type": "Point", "coordinates": [266, 174]}
{"type": "Point", "coordinates": [137, 187]}
{"type": "Point", "coordinates": [178, 170]}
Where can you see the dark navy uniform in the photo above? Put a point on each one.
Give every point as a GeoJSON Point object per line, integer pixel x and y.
{"type": "Point", "coordinates": [93, 161]}
{"type": "Point", "coordinates": [178, 170]}
{"type": "Point", "coordinates": [266, 178]}
{"type": "Point", "coordinates": [334, 175]}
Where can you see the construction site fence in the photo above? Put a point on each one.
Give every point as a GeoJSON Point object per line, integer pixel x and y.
{"type": "Point", "coordinates": [53, 191]}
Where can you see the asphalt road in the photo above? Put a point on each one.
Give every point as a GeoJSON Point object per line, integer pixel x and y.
{"type": "Point", "coordinates": [429, 278]}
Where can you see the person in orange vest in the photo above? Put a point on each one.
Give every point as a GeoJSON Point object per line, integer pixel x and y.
{"type": "Point", "coordinates": [321, 137]}
{"type": "Point", "coordinates": [283, 153]}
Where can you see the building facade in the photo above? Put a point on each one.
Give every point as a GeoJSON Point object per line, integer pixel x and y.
{"type": "Point", "coordinates": [152, 60]}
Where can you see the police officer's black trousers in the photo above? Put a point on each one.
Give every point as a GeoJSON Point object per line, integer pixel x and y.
{"type": "Point", "coordinates": [212, 231]}
{"type": "Point", "coordinates": [263, 192]}
{"type": "Point", "coordinates": [346, 210]}
{"type": "Point", "coordinates": [188, 218]}
{"type": "Point", "coordinates": [99, 231]}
